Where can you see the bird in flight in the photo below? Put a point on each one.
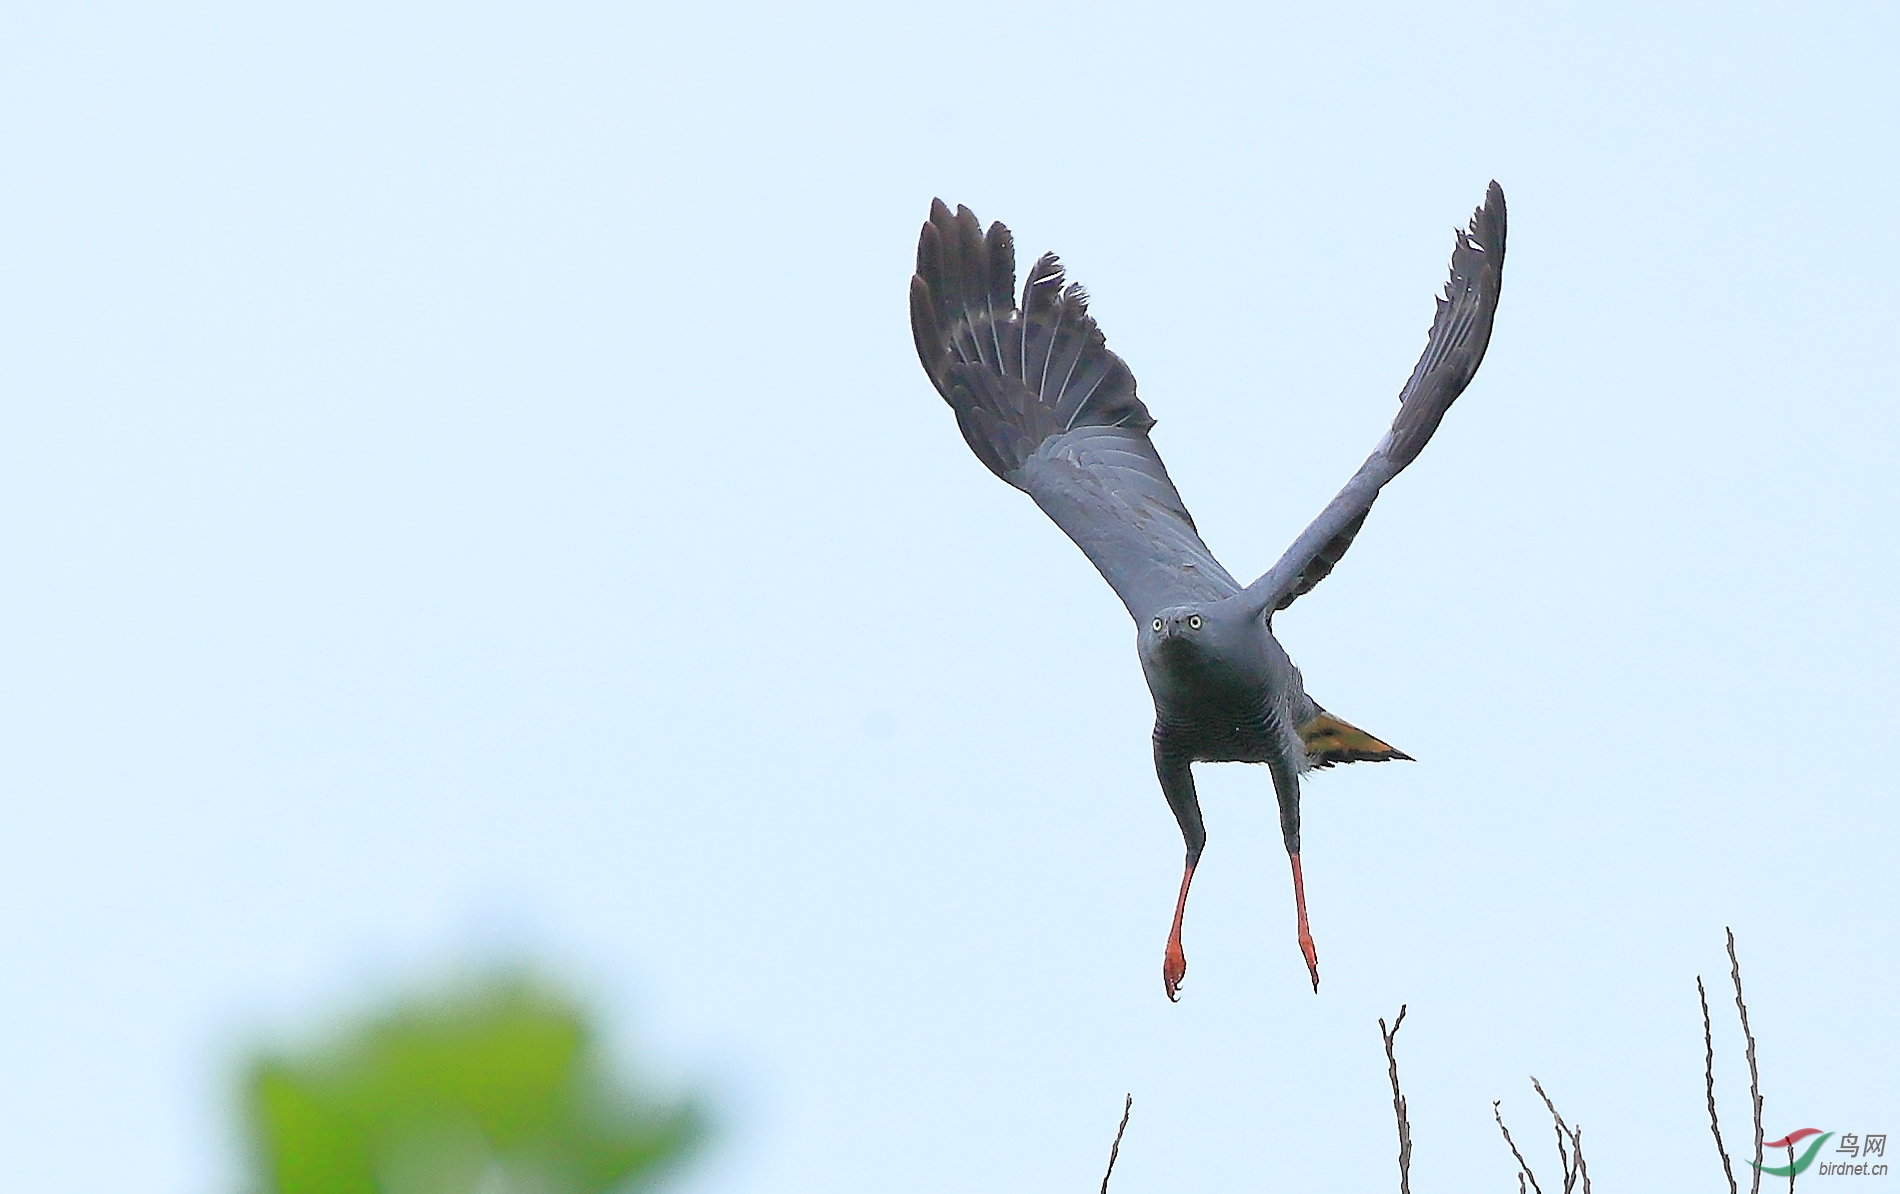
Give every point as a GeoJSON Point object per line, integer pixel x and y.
{"type": "Point", "coordinates": [1048, 408]}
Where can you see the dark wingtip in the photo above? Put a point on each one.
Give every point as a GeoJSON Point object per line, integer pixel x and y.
{"type": "Point", "coordinates": [969, 228]}
{"type": "Point", "coordinates": [1489, 221]}
{"type": "Point", "coordinates": [929, 248]}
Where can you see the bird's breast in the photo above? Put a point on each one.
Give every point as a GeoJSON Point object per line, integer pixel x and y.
{"type": "Point", "coordinates": [1217, 721]}
{"type": "Point", "coordinates": [1222, 735]}
{"type": "Point", "coordinates": [1222, 706]}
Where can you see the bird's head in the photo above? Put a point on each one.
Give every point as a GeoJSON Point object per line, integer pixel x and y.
{"type": "Point", "coordinates": [1220, 634]}
{"type": "Point", "coordinates": [1179, 629]}
{"type": "Point", "coordinates": [1178, 643]}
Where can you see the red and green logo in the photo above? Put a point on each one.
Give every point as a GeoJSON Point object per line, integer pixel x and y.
{"type": "Point", "coordinates": [1806, 1159]}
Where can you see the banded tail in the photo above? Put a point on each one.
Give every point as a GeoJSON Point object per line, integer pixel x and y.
{"type": "Point", "coordinates": [1330, 739]}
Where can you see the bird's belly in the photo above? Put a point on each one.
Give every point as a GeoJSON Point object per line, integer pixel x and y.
{"type": "Point", "coordinates": [1219, 713]}
{"type": "Point", "coordinates": [1223, 735]}
{"type": "Point", "coordinates": [1238, 743]}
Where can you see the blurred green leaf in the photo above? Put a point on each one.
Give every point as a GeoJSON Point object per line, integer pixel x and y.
{"type": "Point", "coordinates": [498, 1087]}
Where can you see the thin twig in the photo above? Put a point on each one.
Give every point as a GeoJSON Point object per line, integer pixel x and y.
{"type": "Point", "coordinates": [1523, 1168]}
{"type": "Point", "coordinates": [1754, 1077]}
{"type": "Point", "coordinates": [1558, 1126]}
{"type": "Point", "coordinates": [1574, 1168]}
{"type": "Point", "coordinates": [1114, 1150]}
{"type": "Point", "coordinates": [1398, 1102]}
{"type": "Point", "coordinates": [1708, 1083]}
{"type": "Point", "coordinates": [1576, 1144]}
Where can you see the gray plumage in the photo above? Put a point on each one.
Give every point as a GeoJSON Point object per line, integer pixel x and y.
{"type": "Point", "coordinates": [1048, 408]}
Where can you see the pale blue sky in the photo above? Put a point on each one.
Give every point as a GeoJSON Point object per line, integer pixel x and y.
{"type": "Point", "coordinates": [467, 491]}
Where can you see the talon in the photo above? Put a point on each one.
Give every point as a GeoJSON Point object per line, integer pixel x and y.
{"type": "Point", "coordinates": [1173, 969]}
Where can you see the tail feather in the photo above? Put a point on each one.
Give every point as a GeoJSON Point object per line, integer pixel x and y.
{"type": "Point", "coordinates": [1330, 740]}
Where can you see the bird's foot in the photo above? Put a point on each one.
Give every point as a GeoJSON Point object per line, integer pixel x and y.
{"type": "Point", "coordinates": [1311, 955]}
{"type": "Point", "coordinates": [1174, 962]}
{"type": "Point", "coordinates": [1173, 969]}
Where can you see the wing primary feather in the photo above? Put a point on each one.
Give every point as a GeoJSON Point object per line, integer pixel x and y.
{"type": "Point", "coordinates": [999, 290]}
{"type": "Point", "coordinates": [924, 329]}
{"type": "Point", "coordinates": [1076, 299]}
{"type": "Point", "coordinates": [1043, 317]}
{"type": "Point", "coordinates": [969, 248]}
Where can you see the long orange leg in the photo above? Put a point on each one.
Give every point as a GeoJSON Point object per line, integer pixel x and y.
{"type": "Point", "coordinates": [1174, 962]}
{"type": "Point", "coordinates": [1299, 902]}
{"type": "Point", "coordinates": [1177, 784]}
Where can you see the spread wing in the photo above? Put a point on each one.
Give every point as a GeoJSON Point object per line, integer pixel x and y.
{"type": "Point", "coordinates": [1459, 335]}
{"type": "Point", "coordinates": [1048, 408]}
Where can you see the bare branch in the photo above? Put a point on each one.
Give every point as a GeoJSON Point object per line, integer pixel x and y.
{"type": "Point", "coordinates": [1523, 1167]}
{"type": "Point", "coordinates": [1708, 1083]}
{"type": "Point", "coordinates": [1114, 1150]}
{"type": "Point", "coordinates": [1754, 1077]}
{"type": "Point", "coordinates": [1557, 1123]}
{"type": "Point", "coordinates": [1572, 1160]}
{"type": "Point", "coordinates": [1398, 1102]}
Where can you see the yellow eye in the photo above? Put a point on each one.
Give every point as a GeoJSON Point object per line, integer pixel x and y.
{"type": "Point", "coordinates": [1157, 625]}
{"type": "Point", "coordinates": [1194, 623]}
